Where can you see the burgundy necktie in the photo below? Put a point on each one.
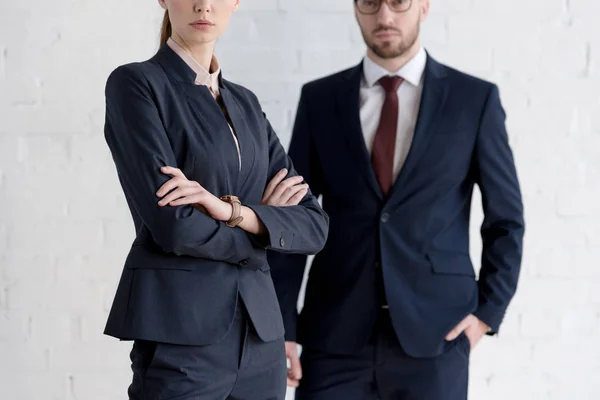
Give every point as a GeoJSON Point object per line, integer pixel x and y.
{"type": "Point", "coordinates": [384, 144]}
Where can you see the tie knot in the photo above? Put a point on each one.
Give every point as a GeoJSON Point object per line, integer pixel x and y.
{"type": "Point", "coordinates": [391, 83]}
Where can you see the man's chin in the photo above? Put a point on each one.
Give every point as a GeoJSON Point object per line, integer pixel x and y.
{"type": "Point", "coordinates": [387, 52]}
{"type": "Point", "coordinates": [387, 48]}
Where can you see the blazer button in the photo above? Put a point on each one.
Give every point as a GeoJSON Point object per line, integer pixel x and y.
{"type": "Point", "coordinates": [385, 217]}
{"type": "Point", "coordinates": [282, 242]}
{"type": "Point", "coordinates": [377, 265]}
{"type": "Point", "coordinates": [243, 263]}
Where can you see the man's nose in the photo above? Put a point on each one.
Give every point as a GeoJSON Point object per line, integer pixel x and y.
{"type": "Point", "coordinates": [385, 15]}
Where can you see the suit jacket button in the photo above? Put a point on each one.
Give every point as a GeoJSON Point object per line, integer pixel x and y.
{"type": "Point", "coordinates": [385, 217]}
{"type": "Point", "coordinates": [282, 242]}
{"type": "Point", "coordinates": [243, 263]}
{"type": "Point", "coordinates": [377, 265]}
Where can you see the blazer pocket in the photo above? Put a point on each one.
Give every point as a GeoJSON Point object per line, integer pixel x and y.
{"type": "Point", "coordinates": [450, 263]}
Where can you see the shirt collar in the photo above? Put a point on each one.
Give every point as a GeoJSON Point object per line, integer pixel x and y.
{"type": "Point", "coordinates": [203, 77]}
{"type": "Point", "coordinates": [411, 72]}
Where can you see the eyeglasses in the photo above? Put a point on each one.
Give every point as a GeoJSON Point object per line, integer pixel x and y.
{"type": "Point", "coordinates": [371, 7]}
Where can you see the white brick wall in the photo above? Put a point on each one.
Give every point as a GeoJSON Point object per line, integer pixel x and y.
{"type": "Point", "coordinates": [64, 227]}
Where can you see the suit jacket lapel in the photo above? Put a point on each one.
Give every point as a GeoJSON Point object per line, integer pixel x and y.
{"type": "Point", "coordinates": [214, 126]}
{"type": "Point", "coordinates": [432, 101]}
{"type": "Point", "coordinates": [242, 132]}
{"type": "Point", "coordinates": [348, 105]}
{"type": "Point", "coordinates": [210, 117]}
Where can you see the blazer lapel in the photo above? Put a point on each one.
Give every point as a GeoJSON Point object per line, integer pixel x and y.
{"type": "Point", "coordinates": [210, 118]}
{"type": "Point", "coordinates": [240, 127]}
{"type": "Point", "coordinates": [348, 104]}
{"type": "Point", "coordinates": [432, 101]}
{"type": "Point", "coordinates": [215, 127]}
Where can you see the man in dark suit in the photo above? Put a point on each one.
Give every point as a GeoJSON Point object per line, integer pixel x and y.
{"type": "Point", "coordinates": [395, 146]}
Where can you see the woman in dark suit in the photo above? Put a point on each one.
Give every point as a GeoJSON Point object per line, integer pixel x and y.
{"type": "Point", "coordinates": [203, 174]}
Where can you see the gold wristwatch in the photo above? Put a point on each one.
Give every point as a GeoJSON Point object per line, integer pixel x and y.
{"type": "Point", "coordinates": [236, 215]}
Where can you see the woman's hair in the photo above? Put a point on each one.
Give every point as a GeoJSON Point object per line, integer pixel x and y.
{"type": "Point", "coordinates": [165, 30]}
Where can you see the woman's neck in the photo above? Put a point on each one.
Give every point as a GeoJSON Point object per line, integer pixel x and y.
{"type": "Point", "coordinates": [202, 52]}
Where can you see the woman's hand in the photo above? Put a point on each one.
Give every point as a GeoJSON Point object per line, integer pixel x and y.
{"type": "Point", "coordinates": [289, 192]}
{"type": "Point", "coordinates": [183, 191]}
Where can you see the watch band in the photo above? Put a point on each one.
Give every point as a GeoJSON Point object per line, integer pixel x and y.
{"type": "Point", "coordinates": [236, 215]}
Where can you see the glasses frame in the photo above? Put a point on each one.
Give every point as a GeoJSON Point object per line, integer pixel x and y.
{"type": "Point", "coordinates": [379, 8]}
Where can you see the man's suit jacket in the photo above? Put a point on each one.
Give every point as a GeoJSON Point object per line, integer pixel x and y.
{"type": "Point", "coordinates": [184, 271]}
{"type": "Point", "coordinates": [418, 236]}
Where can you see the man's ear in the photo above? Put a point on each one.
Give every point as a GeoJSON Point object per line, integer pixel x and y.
{"type": "Point", "coordinates": [424, 4]}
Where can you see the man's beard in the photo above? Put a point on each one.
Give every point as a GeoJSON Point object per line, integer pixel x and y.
{"type": "Point", "coordinates": [388, 50]}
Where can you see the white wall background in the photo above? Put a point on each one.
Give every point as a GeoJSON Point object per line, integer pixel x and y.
{"type": "Point", "coordinates": [65, 230]}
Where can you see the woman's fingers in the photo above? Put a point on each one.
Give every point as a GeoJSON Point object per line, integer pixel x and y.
{"type": "Point", "coordinates": [291, 192]}
{"type": "Point", "coordinates": [285, 185]}
{"type": "Point", "coordinates": [192, 199]}
{"type": "Point", "coordinates": [279, 192]}
{"type": "Point", "coordinates": [175, 172]}
{"type": "Point", "coordinates": [297, 198]}
{"type": "Point", "coordinates": [177, 180]}
{"type": "Point", "coordinates": [274, 182]}
{"type": "Point", "coordinates": [182, 191]}
{"type": "Point", "coordinates": [178, 190]}
{"type": "Point", "coordinates": [170, 185]}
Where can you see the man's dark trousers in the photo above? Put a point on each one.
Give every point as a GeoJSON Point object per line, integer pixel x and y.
{"type": "Point", "coordinates": [383, 371]}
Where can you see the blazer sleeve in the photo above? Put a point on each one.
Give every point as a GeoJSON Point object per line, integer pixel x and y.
{"type": "Point", "coordinates": [503, 226]}
{"type": "Point", "coordinates": [287, 270]}
{"type": "Point", "coordinates": [140, 146]}
{"type": "Point", "coordinates": [300, 229]}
